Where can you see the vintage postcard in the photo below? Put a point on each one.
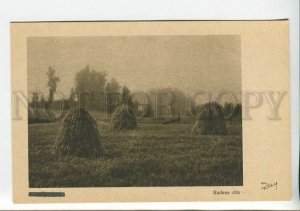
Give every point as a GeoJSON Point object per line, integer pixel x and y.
{"type": "Point", "coordinates": [150, 111]}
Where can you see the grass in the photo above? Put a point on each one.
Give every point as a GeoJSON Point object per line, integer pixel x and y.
{"type": "Point", "coordinates": [153, 155]}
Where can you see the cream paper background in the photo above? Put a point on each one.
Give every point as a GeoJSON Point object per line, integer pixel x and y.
{"type": "Point", "coordinates": [266, 143]}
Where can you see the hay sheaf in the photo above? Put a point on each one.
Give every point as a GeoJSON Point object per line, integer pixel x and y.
{"type": "Point", "coordinates": [123, 118]}
{"type": "Point", "coordinates": [210, 121]}
{"type": "Point", "coordinates": [78, 135]}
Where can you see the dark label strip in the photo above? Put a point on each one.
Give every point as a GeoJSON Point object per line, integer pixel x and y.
{"type": "Point", "coordinates": [46, 194]}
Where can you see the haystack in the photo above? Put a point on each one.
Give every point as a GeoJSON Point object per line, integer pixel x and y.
{"type": "Point", "coordinates": [123, 118]}
{"type": "Point", "coordinates": [210, 121]}
{"type": "Point", "coordinates": [78, 135]}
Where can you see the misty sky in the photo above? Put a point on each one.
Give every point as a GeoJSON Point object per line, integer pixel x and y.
{"type": "Point", "coordinates": [189, 63]}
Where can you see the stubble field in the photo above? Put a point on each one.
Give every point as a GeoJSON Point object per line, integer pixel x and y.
{"type": "Point", "coordinates": [152, 155]}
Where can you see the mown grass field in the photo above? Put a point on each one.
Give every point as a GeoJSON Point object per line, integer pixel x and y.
{"type": "Point", "coordinates": [153, 155]}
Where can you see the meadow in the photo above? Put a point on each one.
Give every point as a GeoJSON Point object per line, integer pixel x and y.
{"type": "Point", "coordinates": [152, 155]}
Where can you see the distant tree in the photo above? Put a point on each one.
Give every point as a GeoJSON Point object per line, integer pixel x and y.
{"type": "Point", "coordinates": [168, 101]}
{"type": "Point", "coordinates": [125, 97]}
{"type": "Point", "coordinates": [238, 111]}
{"type": "Point", "coordinates": [70, 103]}
{"type": "Point", "coordinates": [113, 94]}
{"type": "Point", "coordinates": [179, 100]}
{"type": "Point", "coordinates": [34, 98]}
{"type": "Point", "coordinates": [228, 111]}
{"type": "Point", "coordinates": [52, 84]}
{"type": "Point", "coordinates": [88, 80]}
{"type": "Point", "coordinates": [232, 111]}
{"type": "Point", "coordinates": [135, 106]}
{"type": "Point", "coordinates": [42, 100]}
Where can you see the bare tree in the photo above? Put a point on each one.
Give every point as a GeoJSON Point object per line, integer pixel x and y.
{"type": "Point", "coordinates": [52, 84]}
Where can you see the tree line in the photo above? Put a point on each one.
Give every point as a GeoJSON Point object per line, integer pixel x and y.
{"type": "Point", "coordinates": [95, 92]}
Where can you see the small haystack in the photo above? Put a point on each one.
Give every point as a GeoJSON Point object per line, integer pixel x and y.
{"type": "Point", "coordinates": [78, 135]}
{"type": "Point", "coordinates": [210, 121]}
{"type": "Point", "coordinates": [123, 118]}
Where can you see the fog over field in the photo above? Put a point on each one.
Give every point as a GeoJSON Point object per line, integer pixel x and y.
{"type": "Point", "coordinates": [209, 63]}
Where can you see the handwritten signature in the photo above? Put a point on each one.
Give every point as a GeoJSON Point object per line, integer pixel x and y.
{"type": "Point", "coordinates": [267, 185]}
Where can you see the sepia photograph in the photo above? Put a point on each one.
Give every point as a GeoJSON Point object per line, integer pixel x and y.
{"type": "Point", "coordinates": [134, 111]}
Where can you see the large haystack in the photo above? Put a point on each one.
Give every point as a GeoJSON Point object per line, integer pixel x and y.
{"type": "Point", "coordinates": [210, 121]}
{"type": "Point", "coordinates": [78, 135]}
{"type": "Point", "coordinates": [123, 118]}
